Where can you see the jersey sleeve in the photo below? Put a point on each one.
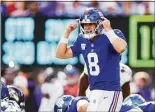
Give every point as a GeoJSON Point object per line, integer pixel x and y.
{"type": "Point", "coordinates": [76, 47]}
{"type": "Point", "coordinates": [147, 106]}
{"type": "Point", "coordinates": [119, 34]}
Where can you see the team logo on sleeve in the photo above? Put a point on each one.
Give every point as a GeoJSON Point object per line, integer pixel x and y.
{"type": "Point", "coordinates": [83, 46]}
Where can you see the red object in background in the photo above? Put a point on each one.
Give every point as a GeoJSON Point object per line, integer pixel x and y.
{"type": "Point", "coordinates": [71, 89]}
{"type": "Point", "coordinates": [10, 8]}
{"type": "Point", "coordinates": [23, 74]}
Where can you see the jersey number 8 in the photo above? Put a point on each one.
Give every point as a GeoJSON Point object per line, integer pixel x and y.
{"type": "Point", "coordinates": [93, 63]}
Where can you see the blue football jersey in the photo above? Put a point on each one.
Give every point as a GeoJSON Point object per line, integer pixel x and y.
{"type": "Point", "coordinates": [73, 106]}
{"type": "Point", "coordinates": [101, 59]}
{"type": "Point", "coordinates": [148, 106]}
{"type": "Point", "coordinates": [145, 107]}
{"type": "Point", "coordinates": [68, 103]}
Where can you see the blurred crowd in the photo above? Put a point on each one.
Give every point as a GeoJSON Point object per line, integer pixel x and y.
{"type": "Point", "coordinates": [74, 8]}
{"type": "Point", "coordinates": [42, 87]}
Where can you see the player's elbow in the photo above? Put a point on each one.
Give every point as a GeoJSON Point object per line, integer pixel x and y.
{"type": "Point", "coordinates": [59, 55]}
{"type": "Point", "coordinates": [121, 50]}
{"type": "Point", "coordinates": [82, 108]}
{"type": "Point", "coordinates": [82, 105]}
{"type": "Point", "coordinates": [121, 47]}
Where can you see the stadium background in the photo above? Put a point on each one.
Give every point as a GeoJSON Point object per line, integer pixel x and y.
{"type": "Point", "coordinates": [30, 32]}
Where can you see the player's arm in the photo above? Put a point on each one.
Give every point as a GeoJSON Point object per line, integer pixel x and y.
{"type": "Point", "coordinates": [63, 51]}
{"type": "Point", "coordinates": [118, 43]}
{"type": "Point", "coordinates": [82, 105]}
{"type": "Point", "coordinates": [83, 84]}
{"type": "Point", "coordinates": [126, 90]}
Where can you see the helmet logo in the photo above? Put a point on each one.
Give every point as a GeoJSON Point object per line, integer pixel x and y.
{"type": "Point", "coordinates": [83, 46]}
{"type": "Point", "coordinates": [86, 13]}
{"type": "Point", "coordinates": [86, 17]}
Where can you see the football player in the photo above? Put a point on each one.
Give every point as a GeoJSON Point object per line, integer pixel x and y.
{"type": "Point", "coordinates": [6, 104]}
{"type": "Point", "coordinates": [68, 103]}
{"type": "Point", "coordinates": [132, 103]}
{"type": "Point", "coordinates": [125, 77]}
{"type": "Point", "coordinates": [72, 77]}
{"type": "Point", "coordinates": [136, 102]}
{"type": "Point", "coordinates": [145, 107]}
{"type": "Point", "coordinates": [100, 46]}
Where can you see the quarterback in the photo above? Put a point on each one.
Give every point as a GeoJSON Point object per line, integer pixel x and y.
{"type": "Point", "coordinates": [101, 47]}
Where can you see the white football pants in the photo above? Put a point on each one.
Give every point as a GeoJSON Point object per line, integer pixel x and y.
{"type": "Point", "coordinates": [104, 101]}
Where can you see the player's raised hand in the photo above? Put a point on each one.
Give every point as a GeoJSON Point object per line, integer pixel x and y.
{"type": "Point", "coordinates": [72, 26]}
{"type": "Point", "coordinates": [106, 24]}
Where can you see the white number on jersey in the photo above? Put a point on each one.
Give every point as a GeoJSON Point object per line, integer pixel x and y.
{"type": "Point", "coordinates": [93, 63]}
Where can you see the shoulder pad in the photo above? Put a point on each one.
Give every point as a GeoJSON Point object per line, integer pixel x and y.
{"type": "Point", "coordinates": [125, 74]}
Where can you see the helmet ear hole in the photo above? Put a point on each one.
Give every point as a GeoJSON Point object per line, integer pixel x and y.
{"type": "Point", "coordinates": [96, 32]}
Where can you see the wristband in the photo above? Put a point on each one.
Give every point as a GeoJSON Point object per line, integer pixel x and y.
{"type": "Point", "coordinates": [111, 35]}
{"type": "Point", "coordinates": [64, 40]}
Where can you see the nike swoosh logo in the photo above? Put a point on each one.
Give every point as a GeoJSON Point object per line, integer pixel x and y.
{"type": "Point", "coordinates": [105, 97]}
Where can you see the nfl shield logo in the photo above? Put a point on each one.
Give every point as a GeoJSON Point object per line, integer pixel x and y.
{"type": "Point", "coordinates": [83, 46]}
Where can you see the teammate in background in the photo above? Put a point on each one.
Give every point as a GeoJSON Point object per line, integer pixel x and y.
{"type": "Point", "coordinates": [6, 103]}
{"type": "Point", "coordinates": [137, 103]}
{"type": "Point", "coordinates": [69, 103]}
{"type": "Point", "coordinates": [72, 77]}
{"type": "Point", "coordinates": [101, 47]}
{"type": "Point", "coordinates": [125, 78]}
{"type": "Point", "coordinates": [133, 103]}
